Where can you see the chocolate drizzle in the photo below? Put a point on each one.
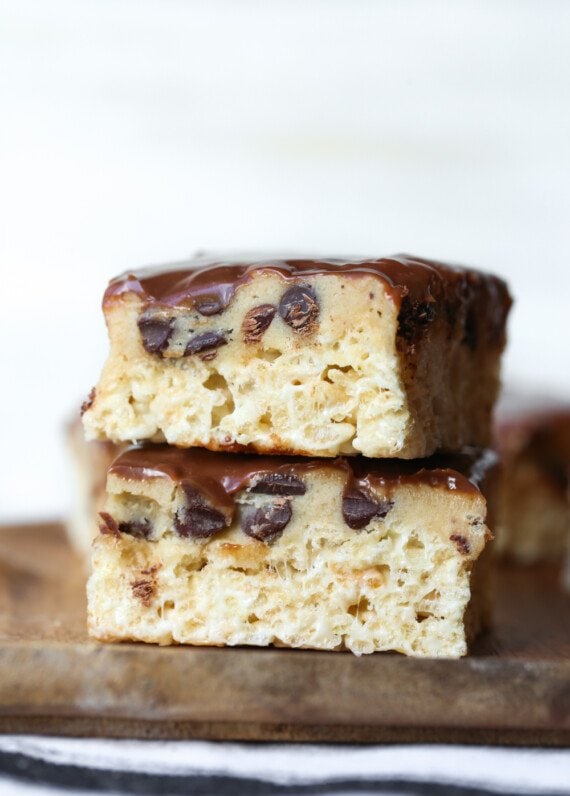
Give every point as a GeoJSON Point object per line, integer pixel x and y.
{"type": "Point", "coordinates": [422, 290]}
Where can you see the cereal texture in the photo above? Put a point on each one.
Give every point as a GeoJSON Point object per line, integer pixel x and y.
{"type": "Point", "coordinates": [402, 581]}
{"type": "Point", "coordinates": [329, 369]}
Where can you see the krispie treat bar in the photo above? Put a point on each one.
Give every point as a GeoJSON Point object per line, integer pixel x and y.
{"type": "Point", "coordinates": [533, 438]}
{"type": "Point", "coordinates": [394, 357]}
{"type": "Point", "coordinates": [222, 549]}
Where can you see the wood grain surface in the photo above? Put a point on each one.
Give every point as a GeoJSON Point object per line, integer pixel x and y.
{"type": "Point", "coordinates": [514, 688]}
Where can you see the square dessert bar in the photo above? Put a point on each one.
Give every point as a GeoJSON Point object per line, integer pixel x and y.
{"type": "Point", "coordinates": [224, 549]}
{"type": "Point", "coordinates": [395, 357]}
{"type": "Point", "coordinates": [533, 439]}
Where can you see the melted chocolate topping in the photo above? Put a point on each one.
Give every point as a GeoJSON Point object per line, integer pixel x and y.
{"type": "Point", "coordinates": [220, 476]}
{"type": "Point", "coordinates": [421, 289]}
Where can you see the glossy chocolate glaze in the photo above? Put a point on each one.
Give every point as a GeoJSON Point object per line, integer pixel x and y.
{"type": "Point", "coordinates": [421, 289]}
{"type": "Point", "coordinates": [220, 476]}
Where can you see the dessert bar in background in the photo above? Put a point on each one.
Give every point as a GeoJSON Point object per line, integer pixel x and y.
{"type": "Point", "coordinates": [200, 547]}
{"type": "Point", "coordinates": [395, 357]}
{"type": "Point", "coordinates": [533, 438]}
{"type": "Point", "coordinates": [88, 465]}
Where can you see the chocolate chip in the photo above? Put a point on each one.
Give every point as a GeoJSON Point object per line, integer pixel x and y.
{"type": "Point", "coordinates": [209, 306]}
{"type": "Point", "coordinates": [88, 402]}
{"type": "Point", "coordinates": [299, 308]}
{"type": "Point", "coordinates": [143, 590]}
{"type": "Point", "coordinates": [108, 524]}
{"type": "Point", "coordinates": [451, 309]}
{"type": "Point", "coordinates": [413, 319]}
{"type": "Point", "coordinates": [278, 484]}
{"type": "Point", "coordinates": [197, 518]}
{"type": "Point", "coordinates": [205, 342]}
{"type": "Point", "coordinates": [155, 332]}
{"type": "Point", "coordinates": [256, 321]}
{"type": "Point", "coordinates": [461, 543]}
{"type": "Point", "coordinates": [140, 529]}
{"type": "Point", "coordinates": [471, 330]}
{"type": "Point", "coordinates": [268, 522]}
{"type": "Point", "coordinates": [151, 570]}
{"type": "Point", "coordinates": [358, 509]}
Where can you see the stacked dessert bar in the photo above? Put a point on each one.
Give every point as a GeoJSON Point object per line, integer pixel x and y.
{"type": "Point", "coordinates": [301, 475]}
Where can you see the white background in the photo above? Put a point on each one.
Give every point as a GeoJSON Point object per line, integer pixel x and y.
{"type": "Point", "coordinates": [133, 132]}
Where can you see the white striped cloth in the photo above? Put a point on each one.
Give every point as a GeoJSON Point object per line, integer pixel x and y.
{"type": "Point", "coordinates": [32, 764]}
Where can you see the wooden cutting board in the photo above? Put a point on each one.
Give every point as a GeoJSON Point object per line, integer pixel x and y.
{"type": "Point", "coordinates": [514, 688]}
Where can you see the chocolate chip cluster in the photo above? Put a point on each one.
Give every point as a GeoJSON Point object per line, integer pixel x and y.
{"type": "Point", "coordinates": [197, 518]}
{"type": "Point", "coordinates": [298, 307]}
{"type": "Point", "coordinates": [156, 332]}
